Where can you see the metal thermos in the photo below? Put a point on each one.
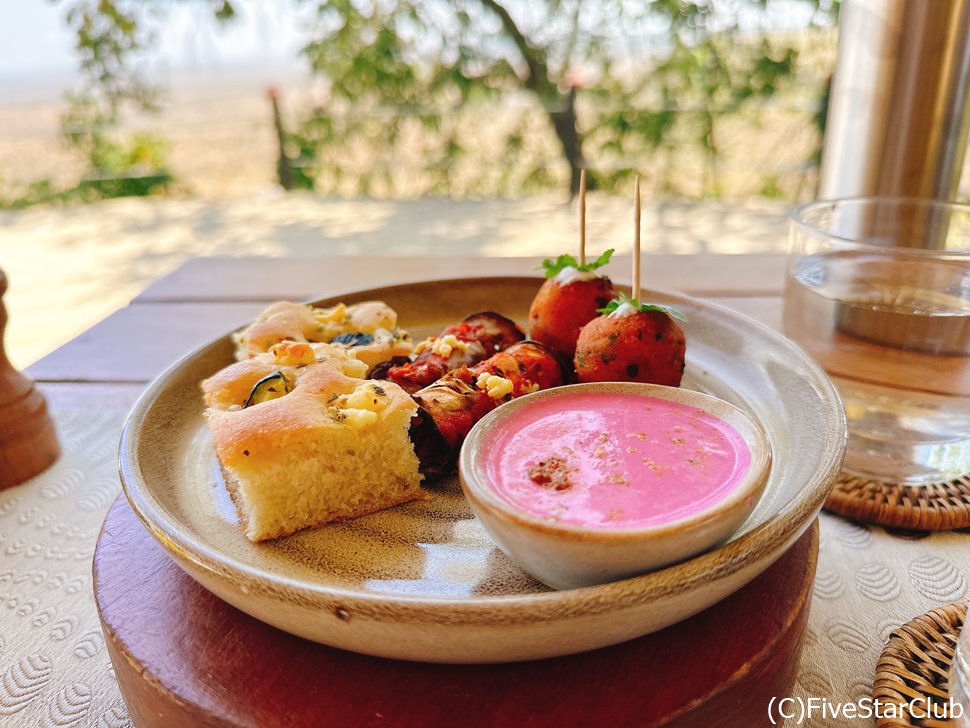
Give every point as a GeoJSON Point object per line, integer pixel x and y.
{"type": "Point", "coordinates": [899, 114]}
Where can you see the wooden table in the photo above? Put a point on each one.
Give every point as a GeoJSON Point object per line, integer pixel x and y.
{"type": "Point", "coordinates": [110, 364]}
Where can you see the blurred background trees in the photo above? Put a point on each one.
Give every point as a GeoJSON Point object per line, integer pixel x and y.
{"type": "Point", "coordinates": [493, 97]}
{"type": "Point", "coordinates": [605, 84]}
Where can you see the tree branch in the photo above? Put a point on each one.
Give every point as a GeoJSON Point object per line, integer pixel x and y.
{"type": "Point", "coordinates": [567, 58]}
{"type": "Point", "coordinates": [538, 79]}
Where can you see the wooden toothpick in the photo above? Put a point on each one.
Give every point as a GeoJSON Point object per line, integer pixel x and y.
{"type": "Point", "coordinates": [582, 217]}
{"type": "Point", "coordinates": [636, 240]}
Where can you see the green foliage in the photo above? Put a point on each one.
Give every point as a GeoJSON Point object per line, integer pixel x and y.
{"type": "Point", "coordinates": [127, 168]}
{"type": "Point", "coordinates": [771, 187]}
{"type": "Point", "coordinates": [131, 169]}
{"type": "Point", "coordinates": [384, 59]}
{"type": "Point", "coordinates": [135, 168]}
{"type": "Point", "coordinates": [611, 85]}
{"type": "Point", "coordinates": [302, 162]}
{"type": "Point", "coordinates": [110, 38]}
{"type": "Point", "coordinates": [39, 191]}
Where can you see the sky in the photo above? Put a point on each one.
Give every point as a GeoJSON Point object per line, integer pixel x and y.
{"type": "Point", "coordinates": [33, 39]}
{"type": "Point", "coordinates": [36, 46]}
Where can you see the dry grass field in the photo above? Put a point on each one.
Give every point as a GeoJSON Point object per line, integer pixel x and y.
{"type": "Point", "coordinates": [221, 141]}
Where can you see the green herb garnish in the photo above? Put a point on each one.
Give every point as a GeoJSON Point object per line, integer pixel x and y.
{"type": "Point", "coordinates": [555, 267]}
{"type": "Point", "coordinates": [623, 298]}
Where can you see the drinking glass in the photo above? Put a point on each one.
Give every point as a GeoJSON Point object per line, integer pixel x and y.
{"type": "Point", "coordinates": [878, 292]}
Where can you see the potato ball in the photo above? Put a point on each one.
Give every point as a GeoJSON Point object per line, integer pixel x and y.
{"type": "Point", "coordinates": [641, 346]}
{"type": "Point", "coordinates": [559, 311]}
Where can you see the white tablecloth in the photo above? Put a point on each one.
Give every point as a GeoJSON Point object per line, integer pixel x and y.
{"type": "Point", "coordinates": [54, 669]}
{"type": "Point", "coordinates": [870, 581]}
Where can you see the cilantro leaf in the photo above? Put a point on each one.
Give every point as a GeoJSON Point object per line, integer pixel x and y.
{"type": "Point", "coordinates": [645, 307]}
{"type": "Point", "coordinates": [599, 262]}
{"type": "Point", "coordinates": [554, 267]}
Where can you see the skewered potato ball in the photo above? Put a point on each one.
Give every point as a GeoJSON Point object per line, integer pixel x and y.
{"type": "Point", "coordinates": [631, 345]}
{"type": "Point", "coordinates": [570, 297]}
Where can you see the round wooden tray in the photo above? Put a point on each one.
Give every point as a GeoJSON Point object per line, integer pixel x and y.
{"type": "Point", "coordinates": [915, 666]}
{"type": "Point", "coordinates": [183, 657]}
{"type": "Point", "coordinates": [939, 506]}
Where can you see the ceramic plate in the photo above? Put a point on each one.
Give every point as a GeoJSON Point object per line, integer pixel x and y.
{"type": "Point", "coordinates": [423, 581]}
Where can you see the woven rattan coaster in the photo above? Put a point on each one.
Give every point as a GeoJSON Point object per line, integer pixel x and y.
{"type": "Point", "coordinates": [932, 507]}
{"type": "Point", "coordinates": [914, 668]}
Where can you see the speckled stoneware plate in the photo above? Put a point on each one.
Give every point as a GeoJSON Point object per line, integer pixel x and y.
{"type": "Point", "coordinates": [423, 581]}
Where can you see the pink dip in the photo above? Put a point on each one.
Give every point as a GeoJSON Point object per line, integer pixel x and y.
{"type": "Point", "coordinates": [608, 460]}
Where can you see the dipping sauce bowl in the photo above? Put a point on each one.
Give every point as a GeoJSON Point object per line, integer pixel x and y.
{"type": "Point", "coordinates": [590, 483]}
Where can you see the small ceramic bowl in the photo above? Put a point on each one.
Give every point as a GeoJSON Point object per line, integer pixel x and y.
{"type": "Point", "coordinates": [566, 553]}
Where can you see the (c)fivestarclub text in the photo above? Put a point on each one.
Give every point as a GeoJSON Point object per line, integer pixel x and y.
{"type": "Point", "coordinates": [804, 710]}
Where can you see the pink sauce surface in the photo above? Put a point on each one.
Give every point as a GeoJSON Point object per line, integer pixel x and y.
{"type": "Point", "coordinates": [609, 460]}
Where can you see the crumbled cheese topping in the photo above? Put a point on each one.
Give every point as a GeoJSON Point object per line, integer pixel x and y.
{"type": "Point", "coordinates": [367, 397]}
{"type": "Point", "coordinates": [447, 344]}
{"type": "Point", "coordinates": [358, 418]}
{"type": "Point", "coordinates": [292, 353]}
{"type": "Point", "coordinates": [570, 275]}
{"type": "Point", "coordinates": [354, 367]}
{"type": "Point", "coordinates": [359, 408]}
{"type": "Point", "coordinates": [442, 347]}
{"type": "Point", "coordinates": [340, 358]}
{"type": "Point", "coordinates": [624, 309]}
{"type": "Point", "coordinates": [334, 315]}
{"type": "Point", "coordinates": [495, 386]}
{"type": "Point", "coordinates": [530, 388]}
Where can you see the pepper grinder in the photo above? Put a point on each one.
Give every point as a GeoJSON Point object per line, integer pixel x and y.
{"type": "Point", "coordinates": [28, 443]}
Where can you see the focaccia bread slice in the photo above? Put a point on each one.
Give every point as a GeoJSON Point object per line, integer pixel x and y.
{"type": "Point", "coordinates": [237, 385]}
{"type": "Point", "coordinates": [332, 448]}
{"type": "Point", "coordinates": [369, 328]}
